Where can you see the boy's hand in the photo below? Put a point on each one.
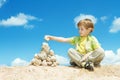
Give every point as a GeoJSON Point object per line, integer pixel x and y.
{"type": "Point", "coordinates": [47, 37]}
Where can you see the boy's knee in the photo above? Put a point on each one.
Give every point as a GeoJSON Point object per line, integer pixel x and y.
{"type": "Point", "coordinates": [97, 55]}
{"type": "Point", "coordinates": [101, 52]}
{"type": "Point", "coordinates": [70, 50]}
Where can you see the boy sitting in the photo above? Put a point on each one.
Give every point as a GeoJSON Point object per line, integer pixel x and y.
{"type": "Point", "coordinates": [88, 52]}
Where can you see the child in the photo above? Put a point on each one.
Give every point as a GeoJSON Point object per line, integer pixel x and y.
{"type": "Point", "coordinates": [88, 52]}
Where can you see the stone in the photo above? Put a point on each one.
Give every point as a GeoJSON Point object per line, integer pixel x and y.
{"type": "Point", "coordinates": [45, 57]}
{"type": "Point", "coordinates": [42, 55]}
{"type": "Point", "coordinates": [53, 58]}
{"type": "Point", "coordinates": [51, 53]}
{"type": "Point", "coordinates": [44, 63]}
{"type": "Point", "coordinates": [35, 62]}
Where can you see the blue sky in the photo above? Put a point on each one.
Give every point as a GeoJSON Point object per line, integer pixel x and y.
{"type": "Point", "coordinates": [23, 25]}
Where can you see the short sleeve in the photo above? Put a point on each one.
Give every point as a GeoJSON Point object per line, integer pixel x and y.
{"type": "Point", "coordinates": [72, 40]}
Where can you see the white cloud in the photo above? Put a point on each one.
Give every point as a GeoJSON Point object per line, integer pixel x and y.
{"type": "Point", "coordinates": [115, 27]}
{"type": "Point", "coordinates": [29, 26]}
{"type": "Point", "coordinates": [2, 2]}
{"type": "Point", "coordinates": [62, 60]}
{"type": "Point", "coordinates": [2, 65]}
{"type": "Point", "coordinates": [19, 62]}
{"type": "Point", "coordinates": [84, 16]}
{"type": "Point", "coordinates": [111, 57]}
{"type": "Point", "coordinates": [20, 20]}
{"type": "Point", "coordinates": [103, 18]}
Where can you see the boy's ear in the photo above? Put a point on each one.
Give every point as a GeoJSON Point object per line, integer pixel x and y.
{"type": "Point", "coordinates": [90, 29]}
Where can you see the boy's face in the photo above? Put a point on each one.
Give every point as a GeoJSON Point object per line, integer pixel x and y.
{"type": "Point", "coordinates": [83, 31]}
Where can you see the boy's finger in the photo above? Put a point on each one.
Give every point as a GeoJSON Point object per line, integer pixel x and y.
{"type": "Point", "coordinates": [46, 38]}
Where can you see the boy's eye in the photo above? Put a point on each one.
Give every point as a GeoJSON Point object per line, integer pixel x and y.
{"type": "Point", "coordinates": [81, 29]}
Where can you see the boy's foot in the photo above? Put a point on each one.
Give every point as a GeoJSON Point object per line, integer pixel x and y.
{"type": "Point", "coordinates": [73, 63]}
{"type": "Point", "coordinates": [89, 66]}
{"type": "Point", "coordinates": [97, 65]}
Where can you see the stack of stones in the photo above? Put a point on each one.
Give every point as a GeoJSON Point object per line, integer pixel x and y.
{"type": "Point", "coordinates": [46, 57]}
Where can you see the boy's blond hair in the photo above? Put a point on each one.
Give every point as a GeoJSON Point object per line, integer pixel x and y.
{"type": "Point", "coordinates": [87, 23]}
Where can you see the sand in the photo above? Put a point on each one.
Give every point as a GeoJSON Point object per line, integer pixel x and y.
{"type": "Point", "coordinates": [59, 73]}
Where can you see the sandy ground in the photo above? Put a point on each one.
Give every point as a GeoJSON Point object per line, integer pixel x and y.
{"type": "Point", "coordinates": [59, 73]}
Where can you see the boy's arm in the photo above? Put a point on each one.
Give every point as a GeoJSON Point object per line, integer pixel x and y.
{"type": "Point", "coordinates": [59, 39]}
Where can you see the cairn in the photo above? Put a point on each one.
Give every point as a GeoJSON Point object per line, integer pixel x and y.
{"type": "Point", "coordinates": [46, 57]}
